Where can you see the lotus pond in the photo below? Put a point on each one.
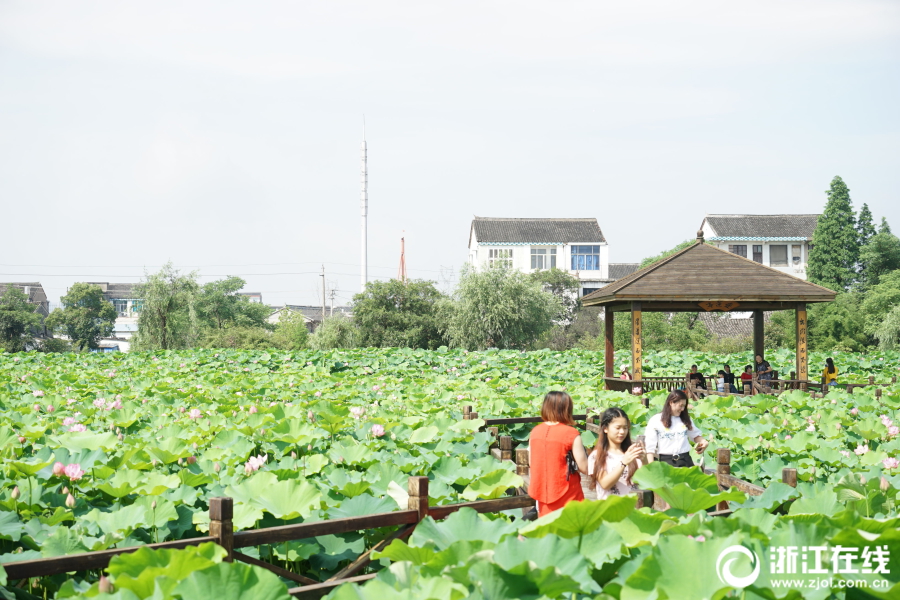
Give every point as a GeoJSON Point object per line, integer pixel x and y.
{"type": "Point", "coordinates": [112, 450]}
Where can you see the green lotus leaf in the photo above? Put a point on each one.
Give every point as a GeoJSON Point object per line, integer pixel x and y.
{"type": "Point", "coordinates": [521, 582]}
{"type": "Point", "coordinates": [143, 570]}
{"type": "Point", "coordinates": [549, 551]}
{"type": "Point", "coordinates": [85, 440]}
{"type": "Point", "coordinates": [336, 549]}
{"type": "Point", "coordinates": [450, 470]}
{"type": "Point", "coordinates": [399, 550]}
{"type": "Point", "coordinates": [816, 502]}
{"type": "Point", "coordinates": [659, 476]}
{"type": "Point", "coordinates": [286, 499]}
{"type": "Point", "coordinates": [423, 435]}
{"type": "Point", "coordinates": [61, 542]}
{"type": "Point", "coordinates": [11, 527]}
{"type": "Point", "coordinates": [775, 495]}
{"type": "Point", "coordinates": [464, 524]}
{"type": "Point", "coordinates": [232, 581]}
{"type": "Point", "coordinates": [577, 519]}
{"type": "Point", "coordinates": [492, 485]}
{"type": "Point", "coordinates": [122, 520]}
{"type": "Point", "coordinates": [30, 466]}
{"type": "Point", "coordinates": [361, 505]}
{"type": "Point", "coordinates": [123, 483]}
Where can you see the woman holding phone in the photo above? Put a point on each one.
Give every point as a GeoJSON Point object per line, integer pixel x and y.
{"type": "Point", "coordinates": [669, 435]}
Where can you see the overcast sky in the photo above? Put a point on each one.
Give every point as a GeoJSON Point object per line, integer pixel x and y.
{"type": "Point", "coordinates": [224, 136]}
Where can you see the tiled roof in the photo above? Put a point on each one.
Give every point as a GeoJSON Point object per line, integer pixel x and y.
{"type": "Point", "coordinates": [620, 270]}
{"type": "Point", "coordinates": [724, 325]}
{"type": "Point", "coordinates": [763, 226]}
{"type": "Point", "coordinates": [536, 231]}
{"type": "Point", "coordinates": [702, 272]}
{"type": "Point", "coordinates": [114, 291]}
{"type": "Point", "coordinates": [36, 294]}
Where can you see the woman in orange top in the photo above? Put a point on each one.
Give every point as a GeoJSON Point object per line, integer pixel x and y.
{"type": "Point", "coordinates": [549, 443]}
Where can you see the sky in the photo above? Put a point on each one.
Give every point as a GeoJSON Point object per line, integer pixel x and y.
{"type": "Point", "coordinates": [225, 136]}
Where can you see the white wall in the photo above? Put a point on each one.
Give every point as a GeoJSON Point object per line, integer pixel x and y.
{"type": "Point", "coordinates": [791, 269]}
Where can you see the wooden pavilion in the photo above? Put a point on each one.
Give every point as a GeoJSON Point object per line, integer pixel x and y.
{"type": "Point", "coordinates": [703, 277]}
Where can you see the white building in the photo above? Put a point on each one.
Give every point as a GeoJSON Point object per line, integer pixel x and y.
{"type": "Point", "coordinates": [778, 241]}
{"type": "Point", "coordinates": [528, 245]}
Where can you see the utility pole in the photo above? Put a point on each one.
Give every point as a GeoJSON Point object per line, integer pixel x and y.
{"type": "Point", "coordinates": [401, 272]}
{"type": "Point", "coordinates": [323, 293]}
{"type": "Point", "coordinates": [364, 209]}
{"type": "Point", "coordinates": [332, 293]}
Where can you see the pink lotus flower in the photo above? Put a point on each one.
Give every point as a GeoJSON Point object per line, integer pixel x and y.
{"type": "Point", "coordinates": [854, 411]}
{"type": "Point", "coordinates": [787, 437]}
{"type": "Point", "coordinates": [73, 472]}
{"type": "Point", "coordinates": [890, 463]}
{"type": "Point", "coordinates": [834, 401]}
{"type": "Point", "coordinates": [375, 388]}
{"type": "Point", "coordinates": [71, 401]}
{"type": "Point", "coordinates": [68, 421]}
{"type": "Point", "coordinates": [116, 404]}
{"type": "Point", "coordinates": [357, 411]}
{"type": "Point", "coordinates": [845, 453]}
{"type": "Point", "coordinates": [317, 394]}
{"type": "Point", "coordinates": [253, 410]}
{"type": "Point", "coordinates": [377, 430]}
{"type": "Point", "coordinates": [78, 428]}
{"type": "Point", "coordinates": [195, 413]}
{"type": "Point", "coordinates": [37, 407]}
{"type": "Point", "coordinates": [37, 393]}
{"type": "Point", "coordinates": [99, 402]}
{"type": "Point", "coordinates": [861, 449]}
{"type": "Point", "coordinates": [254, 463]}
{"type": "Point", "coordinates": [58, 468]}
{"type": "Point", "coordinates": [699, 538]}
{"type": "Point", "coordinates": [893, 430]}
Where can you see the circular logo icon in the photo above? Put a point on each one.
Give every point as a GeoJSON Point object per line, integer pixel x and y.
{"type": "Point", "coordinates": [723, 566]}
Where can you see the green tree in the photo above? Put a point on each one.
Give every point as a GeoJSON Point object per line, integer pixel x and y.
{"type": "Point", "coordinates": [396, 314]}
{"type": "Point", "coordinates": [884, 227]}
{"type": "Point", "coordinates": [17, 318]}
{"type": "Point", "coordinates": [336, 332]}
{"type": "Point", "coordinates": [291, 332]}
{"type": "Point", "coordinates": [838, 325]}
{"type": "Point", "coordinates": [565, 287]}
{"type": "Point", "coordinates": [878, 257]}
{"type": "Point", "coordinates": [663, 331]}
{"type": "Point", "coordinates": [499, 308]}
{"type": "Point", "coordinates": [880, 300]}
{"type": "Point", "coordinates": [888, 331]}
{"type": "Point", "coordinates": [654, 259]}
{"type": "Point", "coordinates": [168, 318]}
{"type": "Point", "coordinates": [219, 306]}
{"type": "Point", "coordinates": [865, 227]}
{"type": "Point", "coordinates": [237, 337]}
{"type": "Point", "coordinates": [835, 250]}
{"type": "Point", "coordinates": [85, 317]}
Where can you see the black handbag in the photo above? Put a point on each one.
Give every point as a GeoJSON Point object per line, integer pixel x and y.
{"type": "Point", "coordinates": [571, 465]}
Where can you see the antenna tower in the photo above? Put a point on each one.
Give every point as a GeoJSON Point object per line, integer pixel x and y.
{"type": "Point", "coordinates": [401, 272]}
{"type": "Point", "coordinates": [364, 207]}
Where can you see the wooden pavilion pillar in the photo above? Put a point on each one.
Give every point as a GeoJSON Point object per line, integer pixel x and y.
{"type": "Point", "coordinates": [637, 361]}
{"type": "Point", "coordinates": [610, 355]}
{"type": "Point", "coordinates": [759, 336]}
{"type": "Point", "coordinates": [802, 357]}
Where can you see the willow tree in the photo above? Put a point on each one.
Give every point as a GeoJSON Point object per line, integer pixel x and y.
{"type": "Point", "coordinates": [168, 319]}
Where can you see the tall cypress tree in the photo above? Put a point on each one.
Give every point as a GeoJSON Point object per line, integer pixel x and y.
{"type": "Point", "coordinates": [835, 251]}
{"type": "Point", "coordinates": [885, 228]}
{"type": "Point", "coordinates": [864, 225]}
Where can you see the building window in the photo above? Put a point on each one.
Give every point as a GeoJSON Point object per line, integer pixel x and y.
{"type": "Point", "coordinates": [795, 254]}
{"type": "Point", "coordinates": [121, 306]}
{"type": "Point", "coordinates": [585, 258]}
{"type": "Point", "coordinates": [137, 305]}
{"type": "Point", "coordinates": [543, 258]}
{"type": "Point", "coordinates": [757, 253]}
{"type": "Point", "coordinates": [586, 291]}
{"type": "Point", "coordinates": [740, 250]}
{"type": "Point", "coordinates": [778, 256]}
{"type": "Point", "coordinates": [500, 257]}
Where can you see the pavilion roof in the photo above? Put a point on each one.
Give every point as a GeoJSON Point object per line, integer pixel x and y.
{"type": "Point", "coordinates": [702, 273]}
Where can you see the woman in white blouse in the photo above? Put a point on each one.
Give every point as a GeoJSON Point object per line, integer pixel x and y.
{"type": "Point", "coordinates": [668, 435]}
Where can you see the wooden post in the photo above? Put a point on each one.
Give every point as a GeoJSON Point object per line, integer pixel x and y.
{"type": "Point", "coordinates": [418, 496]}
{"type": "Point", "coordinates": [723, 458]}
{"type": "Point", "coordinates": [748, 387]}
{"type": "Point", "coordinates": [609, 356]}
{"type": "Point", "coordinates": [893, 379]}
{"type": "Point", "coordinates": [871, 380]}
{"type": "Point", "coordinates": [645, 401]}
{"type": "Point", "coordinates": [506, 452]}
{"type": "Point", "coordinates": [753, 380]}
{"type": "Point", "coordinates": [759, 335]}
{"type": "Point", "coordinates": [522, 458]}
{"type": "Point", "coordinates": [466, 410]}
{"type": "Point", "coordinates": [637, 369]}
{"type": "Point", "coordinates": [793, 374]}
{"type": "Point", "coordinates": [878, 393]}
{"type": "Point", "coordinates": [473, 416]}
{"type": "Point", "coordinates": [802, 356]}
{"type": "Point", "coordinates": [789, 477]}
{"type": "Point", "coordinates": [494, 432]}
{"type": "Point", "coordinates": [221, 511]}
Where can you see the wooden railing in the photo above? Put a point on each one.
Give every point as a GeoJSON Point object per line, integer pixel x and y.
{"type": "Point", "coordinates": [221, 531]}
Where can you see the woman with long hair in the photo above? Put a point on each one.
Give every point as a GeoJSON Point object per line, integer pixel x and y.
{"type": "Point", "coordinates": [615, 458]}
{"type": "Point", "coordinates": [830, 372]}
{"type": "Point", "coordinates": [552, 484]}
{"type": "Point", "coordinates": [669, 434]}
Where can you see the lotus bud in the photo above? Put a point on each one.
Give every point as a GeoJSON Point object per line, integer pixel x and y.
{"type": "Point", "coordinates": [153, 505]}
{"type": "Point", "coordinates": [253, 410]}
{"type": "Point", "coordinates": [862, 480]}
{"type": "Point", "coordinates": [112, 426]}
{"type": "Point", "coordinates": [309, 448]}
{"type": "Point", "coordinates": [50, 408]}
{"type": "Point", "coordinates": [217, 467]}
{"type": "Point", "coordinates": [180, 462]}
{"type": "Point", "coordinates": [70, 501]}
{"type": "Point", "coordinates": [37, 407]}
{"type": "Point", "coordinates": [293, 455]}
{"type": "Point", "coordinates": [885, 484]}
{"type": "Point", "coordinates": [21, 439]}
{"type": "Point", "coordinates": [58, 468]}
{"type": "Point", "coordinates": [154, 462]}
{"type": "Point", "coordinates": [16, 494]}
{"type": "Point", "coordinates": [194, 445]}
{"type": "Point", "coordinates": [812, 470]}
{"type": "Point", "coordinates": [104, 585]}
{"type": "Point", "coordinates": [118, 430]}
{"type": "Point", "coordinates": [121, 437]}
{"type": "Point", "coordinates": [65, 489]}
{"type": "Point", "coordinates": [262, 432]}
{"type": "Point", "coordinates": [784, 423]}
{"type": "Point", "coordinates": [191, 460]}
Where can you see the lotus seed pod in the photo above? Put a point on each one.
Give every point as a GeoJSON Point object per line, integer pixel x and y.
{"type": "Point", "coordinates": [70, 501]}
{"type": "Point", "coordinates": [104, 585]}
{"type": "Point", "coordinates": [21, 439]}
{"type": "Point", "coordinates": [16, 494]}
{"type": "Point", "coordinates": [191, 460]}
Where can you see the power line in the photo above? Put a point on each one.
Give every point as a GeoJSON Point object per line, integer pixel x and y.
{"type": "Point", "coordinates": [202, 266]}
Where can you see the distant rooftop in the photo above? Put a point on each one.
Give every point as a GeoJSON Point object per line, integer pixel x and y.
{"type": "Point", "coordinates": [762, 226]}
{"type": "Point", "coordinates": [620, 270]}
{"type": "Point", "coordinates": [536, 231]}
